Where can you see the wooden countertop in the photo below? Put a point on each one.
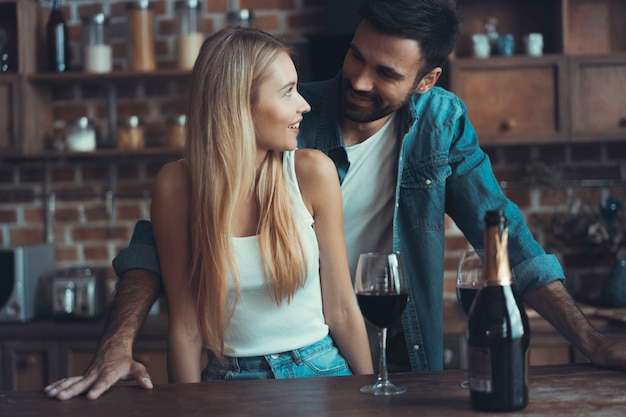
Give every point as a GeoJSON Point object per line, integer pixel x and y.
{"type": "Point", "coordinates": [568, 390]}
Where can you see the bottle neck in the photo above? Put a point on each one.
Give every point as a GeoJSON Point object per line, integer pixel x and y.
{"type": "Point", "coordinates": [497, 270]}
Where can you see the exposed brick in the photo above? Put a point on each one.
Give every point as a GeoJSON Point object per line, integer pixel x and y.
{"type": "Point", "coordinates": [306, 20]}
{"type": "Point", "coordinates": [266, 4]}
{"type": "Point", "coordinates": [26, 235]}
{"type": "Point", "coordinates": [6, 175]}
{"type": "Point", "coordinates": [126, 171]}
{"type": "Point", "coordinates": [128, 211]}
{"type": "Point", "coordinates": [552, 197]}
{"type": "Point", "coordinates": [66, 214]}
{"type": "Point", "coordinates": [167, 27]}
{"type": "Point", "coordinates": [96, 253]}
{"type": "Point", "coordinates": [66, 253]}
{"type": "Point", "coordinates": [88, 10]}
{"type": "Point", "coordinates": [592, 172]}
{"type": "Point", "coordinates": [8, 216]}
{"type": "Point", "coordinates": [136, 108]}
{"type": "Point", "coordinates": [161, 48]}
{"type": "Point", "coordinates": [33, 215]}
{"type": "Point", "coordinates": [98, 212]}
{"type": "Point", "coordinates": [521, 197]}
{"type": "Point", "coordinates": [456, 243]}
{"type": "Point", "coordinates": [216, 6]}
{"type": "Point", "coordinates": [92, 91]}
{"type": "Point", "coordinates": [157, 88]}
{"type": "Point", "coordinates": [69, 112]}
{"type": "Point", "coordinates": [552, 154]}
{"type": "Point", "coordinates": [62, 92]}
{"type": "Point", "coordinates": [616, 151]}
{"type": "Point", "coordinates": [97, 233]}
{"type": "Point", "coordinates": [31, 174]}
{"type": "Point", "coordinates": [96, 171]}
{"type": "Point", "coordinates": [63, 174]}
{"type": "Point", "coordinates": [268, 23]}
{"type": "Point", "coordinates": [586, 152]}
{"type": "Point", "coordinates": [17, 195]}
{"type": "Point", "coordinates": [516, 154]}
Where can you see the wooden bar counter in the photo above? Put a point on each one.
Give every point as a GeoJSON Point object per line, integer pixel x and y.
{"type": "Point", "coordinates": [562, 390]}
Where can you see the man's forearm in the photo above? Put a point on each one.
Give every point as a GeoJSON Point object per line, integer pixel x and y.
{"type": "Point", "coordinates": [554, 303]}
{"type": "Point", "coordinates": [134, 295]}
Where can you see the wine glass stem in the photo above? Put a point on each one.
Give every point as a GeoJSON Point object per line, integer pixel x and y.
{"type": "Point", "coordinates": [382, 364]}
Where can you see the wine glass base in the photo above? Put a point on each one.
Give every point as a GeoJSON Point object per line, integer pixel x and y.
{"type": "Point", "coordinates": [384, 389]}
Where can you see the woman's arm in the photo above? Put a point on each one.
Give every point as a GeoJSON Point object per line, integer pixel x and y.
{"type": "Point", "coordinates": [170, 220]}
{"type": "Point", "coordinates": [320, 189]}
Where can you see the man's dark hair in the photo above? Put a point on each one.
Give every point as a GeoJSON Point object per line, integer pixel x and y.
{"type": "Point", "coordinates": [435, 24]}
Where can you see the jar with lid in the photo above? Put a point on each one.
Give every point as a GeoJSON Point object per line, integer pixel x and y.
{"type": "Point", "coordinates": [140, 36]}
{"type": "Point", "coordinates": [190, 37]}
{"type": "Point", "coordinates": [81, 135]}
{"type": "Point", "coordinates": [176, 131]}
{"type": "Point", "coordinates": [98, 53]}
{"type": "Point", "coordinates": [130, 133]}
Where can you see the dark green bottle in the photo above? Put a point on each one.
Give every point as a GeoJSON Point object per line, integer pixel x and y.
{"type": "Point", "coordinates": [498, 334]}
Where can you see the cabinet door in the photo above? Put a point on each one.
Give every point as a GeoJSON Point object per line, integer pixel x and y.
{"type": "Point", "coordinates": [598, 85]}
{"type": "Point", "coordinates": [8, 122]}
{"type": "Point", "coordinates": [512, 100]}
{"type": "Point", "coordinates": [75, 356]}
{"type": "Point", "coordinates": [29, 365]}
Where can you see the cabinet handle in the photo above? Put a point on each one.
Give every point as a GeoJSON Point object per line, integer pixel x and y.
{"type": "Point", "coordinates": [28, 361]}
{"type": "Point", "coordinates": [508, 125]}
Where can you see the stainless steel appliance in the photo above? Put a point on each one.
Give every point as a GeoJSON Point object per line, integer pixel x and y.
{"type": "Point", "coordinates": [78, 293]}
{"type": "Point", "coordinates": [21, 268]}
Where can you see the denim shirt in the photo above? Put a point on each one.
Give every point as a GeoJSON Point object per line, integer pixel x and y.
{"type": "Point", "coordinates": [441, 169]}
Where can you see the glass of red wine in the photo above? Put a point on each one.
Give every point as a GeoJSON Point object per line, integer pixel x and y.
{"type": "Point", "coordinates": [469, 279]}
{"type": "Point", "coordinates": [382, 292]}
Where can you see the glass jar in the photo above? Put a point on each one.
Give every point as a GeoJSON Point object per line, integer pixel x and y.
{"type": "Point", "coordinates": [176, 131]}
{"type": "Point", "coordinates": [81, 135]}
{"type": "Point", "coordinates": [130, 133]}
{"type": "Point", "coordinates": [141, 36]}
{"type": "Point", "coordinates": [190, 37]}
{"type": "Point", "coordinates": [98, 53]}
{"type": "Point", "coordinates": [238, 17]}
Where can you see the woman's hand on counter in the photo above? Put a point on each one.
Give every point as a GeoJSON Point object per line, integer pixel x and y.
{"type": "Point", "coordinates": [108, 367]}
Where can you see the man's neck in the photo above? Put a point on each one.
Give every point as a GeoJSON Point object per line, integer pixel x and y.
{"type": "Point", "coordinates": [355, 133]}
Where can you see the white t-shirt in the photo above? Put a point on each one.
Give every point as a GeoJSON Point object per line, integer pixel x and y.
{"type": "Point", "coordinates": [259, 326]}
{"type": "Point", "coordinates": [368, 192]}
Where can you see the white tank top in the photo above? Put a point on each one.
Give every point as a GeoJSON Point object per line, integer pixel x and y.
{"type": "Point", "coordinates": [259, 326]}
{"type": "Point", "coordinates": [368, 192]}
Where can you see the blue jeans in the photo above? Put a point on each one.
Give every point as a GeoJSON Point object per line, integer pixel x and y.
{"type": "Point", "coordinates": [318, 359]}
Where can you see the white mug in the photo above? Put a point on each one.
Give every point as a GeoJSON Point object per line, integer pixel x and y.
{"type": "Point", "coordinates": [481, 45]}
{"type": "Point", "coordinates": [534, 44]}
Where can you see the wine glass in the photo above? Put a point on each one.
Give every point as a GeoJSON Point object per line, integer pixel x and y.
{"type": "Point", "coordinates": [382, 292]}
{"type": "Point", "coordinates": [469, 279]}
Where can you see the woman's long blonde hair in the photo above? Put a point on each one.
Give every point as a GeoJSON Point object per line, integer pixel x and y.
{"type": "Point", "coordinates": [221, 150]}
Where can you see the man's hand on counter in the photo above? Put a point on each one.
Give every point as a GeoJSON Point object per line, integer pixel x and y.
{"type": "Point", "coordinates": [610, 353]}
{"type": "Point", "coordinates": [108, 367]}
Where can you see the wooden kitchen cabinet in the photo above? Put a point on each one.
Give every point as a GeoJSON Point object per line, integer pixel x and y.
{"type": "Point", "coordinates": [598, 88]}
{"type": "Point", "coordinates": [574, 92]}
{"type": "Point", "coordinates": [28, 365]}
{"type": "Point", "coordinates": [513, 99]}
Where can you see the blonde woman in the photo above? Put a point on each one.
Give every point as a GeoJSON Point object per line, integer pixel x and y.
{"type": "Point", "coordinates": [249, 230]}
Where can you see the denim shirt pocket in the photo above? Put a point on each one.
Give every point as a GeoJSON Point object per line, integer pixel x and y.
{"type": "Point", "coordinates": [422, 192]}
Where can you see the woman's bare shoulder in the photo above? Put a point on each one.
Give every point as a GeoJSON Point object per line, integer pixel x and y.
{"type": "Point", "coordinates": [173, 178]}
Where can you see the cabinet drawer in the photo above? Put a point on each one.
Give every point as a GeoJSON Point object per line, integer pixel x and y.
{"type": "Point", "coordinates": [29, 365]}
{"type": "Point", "coordinates": [598, 86]}
{"type": "Point", "coordinates": [514, 99]}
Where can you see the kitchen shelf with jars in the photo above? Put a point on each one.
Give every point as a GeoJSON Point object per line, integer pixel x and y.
{"type": "Point", "coordinates": [35, 66]}
{"type": "Point", "coordinates": [543, 71]}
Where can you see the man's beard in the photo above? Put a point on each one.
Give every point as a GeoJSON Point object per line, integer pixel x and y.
{"type": "Point", "coordinates": [359, 114]}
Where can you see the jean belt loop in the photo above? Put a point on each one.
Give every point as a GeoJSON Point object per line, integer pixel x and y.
{"type": "Point", "coordinates": [295, 355]}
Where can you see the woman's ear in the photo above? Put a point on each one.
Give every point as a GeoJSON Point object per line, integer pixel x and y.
{"type": "Point", "coordinates": [428, 81]}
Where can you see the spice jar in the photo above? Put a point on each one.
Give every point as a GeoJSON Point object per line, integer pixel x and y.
{"type": "Point", "coordinates": [130, 134]}
{"type": "Point", "coordinates": [190, 37]}
{"type": "Point", "coordinates": [140, 36]}
{"type": "Point", "coordinates": [81, 135]}
{"type": "Point", "coordinates": [98, 55]}
{"type": "Point", "coordinates": [176, 131]}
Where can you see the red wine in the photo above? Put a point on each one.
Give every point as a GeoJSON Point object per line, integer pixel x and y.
{"type": "Point", "coordinates": [382, 309]}
{"type": "Point", "coordinates": [498, 334]}
{"type": "Point", "coordinates": [466, 295]}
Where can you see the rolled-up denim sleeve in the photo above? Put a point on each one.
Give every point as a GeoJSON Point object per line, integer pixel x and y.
{"type": "Point", "coordinates": [537, 272]}
{"type": "Point", "coordinates": [141, 253]}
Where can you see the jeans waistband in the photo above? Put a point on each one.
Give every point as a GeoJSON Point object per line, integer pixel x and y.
{"type": "Point", "coordinates": [257, 362]}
